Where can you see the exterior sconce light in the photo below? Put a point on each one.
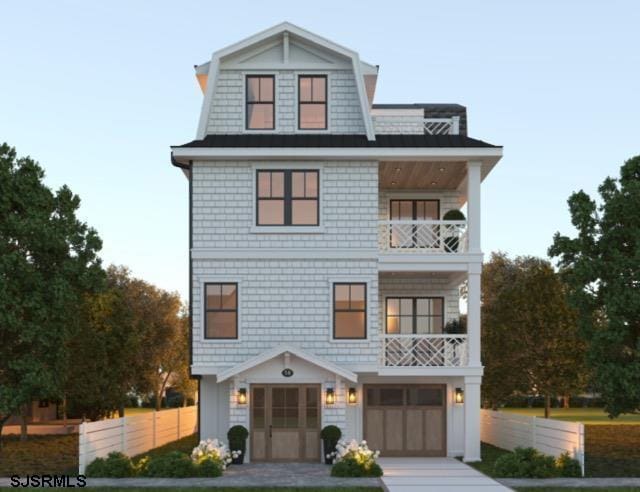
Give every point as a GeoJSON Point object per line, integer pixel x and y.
{"type": "Point", "coordinates": [459, 396]}
{"type": "Point", "coordinates": [330, 397]}
{"type": "Point", "coordinates": [242, 396]}
{"type": "Point", "coordinates": [353, 397]}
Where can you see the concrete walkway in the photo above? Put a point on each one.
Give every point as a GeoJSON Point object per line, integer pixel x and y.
{"type": "Point", "coordinates": [434, 474]}
{"type": "Point", "coordinates": [583, 483]}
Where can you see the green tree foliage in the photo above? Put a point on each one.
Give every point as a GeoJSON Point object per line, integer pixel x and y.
{"type": "Point", "coordinates": [530, 336]}
{"type": "Point", "coordinates": [601, 266]}
{"type": "Point", "coordinates": [48, 261]}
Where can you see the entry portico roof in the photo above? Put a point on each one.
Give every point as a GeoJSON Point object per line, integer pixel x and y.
{"type": "Point", "coordinates": [281, 349]}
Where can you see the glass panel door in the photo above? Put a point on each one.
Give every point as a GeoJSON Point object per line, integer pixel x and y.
{"type": "Point", "coordinates": [410, 235]}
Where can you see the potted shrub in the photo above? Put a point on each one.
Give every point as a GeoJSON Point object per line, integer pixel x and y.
{"type": "Point", "coordinates": [451, 239]}
{"type": "Point", "coordinates": [330, 436]}
{"type": "Point", "coordinates": [456, 327]}
{"type": "Point", "coordinates": [237, 437]}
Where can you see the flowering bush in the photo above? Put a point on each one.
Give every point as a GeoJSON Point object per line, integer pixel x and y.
{"type": "Point", "coordinates": [353, 459]}
{"type": "Point", "coordinates": [213, 451]}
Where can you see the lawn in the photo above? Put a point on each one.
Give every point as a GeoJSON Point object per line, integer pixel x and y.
{"type": "Point", "coordinates": [185, 445]}
{"type": "Point", "coordinates": [612, 450]}
{"type": "Point", "coordinates": [590, 416]}
{"type": "Point", "coordinates": [39, 454]}
{"type": "Point", "coordinates": [489, 456]}
{"type": "Point", "coordinates": [131, 411]}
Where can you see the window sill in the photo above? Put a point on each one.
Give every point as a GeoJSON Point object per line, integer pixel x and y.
{"type": "Point", "coordinates": [287, 230]}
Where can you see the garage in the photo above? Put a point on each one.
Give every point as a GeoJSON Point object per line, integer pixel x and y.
{"type": "Point", "coordinates": [406, 420]}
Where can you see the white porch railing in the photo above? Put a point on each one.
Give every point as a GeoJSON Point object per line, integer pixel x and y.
{"type": "Point", "coordinates": [423, 236]}
{"type": "Point", "coordinates": [424, 351]}
{"type": "Point", "coordinates": [442, 126]}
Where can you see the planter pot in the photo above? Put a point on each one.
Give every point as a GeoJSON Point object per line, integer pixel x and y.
{"type": "Point", "coordinates": [328, 448]}
{"type": "Point", "coordinates": [238, 447]}
{"type": "Point", "coordinates": [451, 244]}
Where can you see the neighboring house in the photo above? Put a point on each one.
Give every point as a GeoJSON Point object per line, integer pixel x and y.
{"type": "Point", "coordinates": [37, 411]}
{"type": "Point", "coordinates": [322, 273]}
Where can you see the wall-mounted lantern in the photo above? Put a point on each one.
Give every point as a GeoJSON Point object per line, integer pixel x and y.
{"type": "Point", "coordinates": [353, 396]}
{"type": "Point", "coordinates": [459, 395]}
{"type": "Point", "coordinates": [242, 396]}
{"type": "Point", "coordinates": [330, 397]}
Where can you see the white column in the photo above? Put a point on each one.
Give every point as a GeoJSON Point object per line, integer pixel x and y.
{"type": "Point", "coordinates": [472, 418]}
{"type": "Point", "coordinates": [473, 313]}
{"type": "Point", "coordinates": [474, 169]}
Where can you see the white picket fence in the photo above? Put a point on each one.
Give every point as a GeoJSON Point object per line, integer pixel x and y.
{"type": "Point", "coordinates": [554, 437]}
{"type": "Point", "coordinates": [136, 434]}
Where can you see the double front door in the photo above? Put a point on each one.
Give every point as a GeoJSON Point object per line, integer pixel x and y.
{"type": "Point", "coordinates": [285, 422]}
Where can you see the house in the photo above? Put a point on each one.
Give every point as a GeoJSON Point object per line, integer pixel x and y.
{"type": "Point", "coordinates": [324, 266]}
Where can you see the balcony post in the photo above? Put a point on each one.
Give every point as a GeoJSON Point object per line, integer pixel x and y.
{"type": "Point", "coordinates": [473, 314]}
{"type": "Point", "coordinates": [474, 178]}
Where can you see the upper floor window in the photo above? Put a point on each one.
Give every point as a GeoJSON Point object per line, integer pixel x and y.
{"type": "Point", "coordinates": [350, 310]}
{"type": "Point", "coordinates": [221, 310]}
{"type": "Point", "coordinates": [288, 198]}
{"type": "Point", "coordinates": [260, 102]}
{"type": "Point", "coordinates": [414, 315]}
{"type": "Point", "coordinates": [312, 102]}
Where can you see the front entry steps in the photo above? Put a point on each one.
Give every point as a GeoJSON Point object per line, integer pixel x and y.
{"type": "Point", "coordinates": [441, 474]}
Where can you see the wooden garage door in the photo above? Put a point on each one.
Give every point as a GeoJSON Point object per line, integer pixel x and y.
{"type": "Point", "coordinates": [406, 420]}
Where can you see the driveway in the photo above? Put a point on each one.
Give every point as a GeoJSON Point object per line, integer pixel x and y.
{"type": "Point", "coordinates": [437, 474]}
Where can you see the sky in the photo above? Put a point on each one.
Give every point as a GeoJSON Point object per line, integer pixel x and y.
{"type": "Point", "coordinates": [98, 91]}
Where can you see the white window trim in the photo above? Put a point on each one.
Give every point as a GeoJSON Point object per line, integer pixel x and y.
{"type": "Point", "coordinates": [372, 308]}
{"type": "Point", "coordinates": [297, 75]}
{"type": "Point", "coordinates": [418, 293]}
{"type": "Point", "coordinates": [257, 229]}
{"type": "Point", "coordinates": [221, 280]}
{"type": "Point", "coordinates": [276, 101]}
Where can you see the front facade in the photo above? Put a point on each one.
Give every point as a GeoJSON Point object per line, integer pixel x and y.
{"type": "Point", "coordinates": [325, 262]}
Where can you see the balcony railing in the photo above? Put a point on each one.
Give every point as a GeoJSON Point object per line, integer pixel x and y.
{"type": "Point", "coordinates": [442, 126]}
{"type": "Point", "coordinates": [423, 236]}
{"type": "Point", "coordinates": [424, 351]}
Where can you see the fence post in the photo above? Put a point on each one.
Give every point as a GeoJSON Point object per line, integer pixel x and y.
{"type": "Point", "coordinates": [178, 422]}
{"type": "Point", "coordinates": [581, 450]}
{"type": "Point", "coordinates": [155, 414]}
{"type": "Point", "coordinates": [123, 444]}
{"type": "Point", "coordinates": [82, 454]}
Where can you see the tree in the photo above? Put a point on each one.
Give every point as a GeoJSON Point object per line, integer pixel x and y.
{"type": "Point", "coordinates": [531, 334]}
{"type": "Point", "coordinates": [601, 266]}
{"type": "Point", "coordinates": [48, 261]}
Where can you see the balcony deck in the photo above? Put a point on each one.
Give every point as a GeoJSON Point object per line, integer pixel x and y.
{"type": "Point", "coordinates": [419, 351]}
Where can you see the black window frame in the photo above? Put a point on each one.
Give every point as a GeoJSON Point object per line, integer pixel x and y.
{"type": "Point", "coordinates": [366, 305]}
{"type": "Point", "coordinates": [326, 100]}
{"type": "Point", "coordinates": [212, 310]}
{"type": "Point", "coordinates": [288, 197]}
{"type": "Point", "coordinates": [414, 315]}
{"type": "Point", "coordinates": [247, 103]}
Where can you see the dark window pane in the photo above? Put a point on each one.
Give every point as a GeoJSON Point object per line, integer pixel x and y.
{"type": "Point", "coordinates": [258, 397]}
{"type": "Point", "coordinates": [266, 89]}
{"type": "Point", "coordinates": [258, 418]}
{"type": "Point", "coordinates": [422, 325]}
{"type": "Point", "coordinates": [425, 396]}
{"type": "Point", "coordinates": [292, 420]}
{"type": "Point", "coordinates": [373, 396]}
{"type": "Point", "coordinates": [312, 418]}
{"type": "Point", "coordinates": [305, 89]}
{"type": "Point", "coordinates": [278, 417]}
{"type": "Point", "coordinates": [319, 89]}
{"type": "Point", "coordinates": [391, 396]}
{"type": "Point", "coordinates": [291, 397]}
{"type": "Point", "coordinates": [406, 325]}
{"type": "Point", "coordinates": [422, 306]}
{"type": "Point", "coordinates": [312, 116]}
{"type": "Point", "coordinates": [311, 185]}
{"type": "Point", "coordinates": [271, 212]}
{"type": "Point", "coordinates": [312, 397]}
{"type": "Point", "coordinates": [430, 210]}
{"type": "Point", "coordinates": [357, 296]}
{"type": "Point", "coordinates": [350, 324]}
{"type": "Point", "coordinates": [436, 307]}
{"type": "Point", "coordinates": [277, 397]}
{"type": "Point", "coordinates": [297, 184]}
{"type": "Point", "coordinates": [260, 116]}
{"type": "Point", "coordinates": [436, 324]}
{"type": "Point", "coordinates": [229, 298]}
{"type": "Point", "coordinates": [264, 185]}
{"type": "Point", "coordinates": [304, 212]}
{"type": "Point", "coordinates": [341, 293]}
{"type": "Point", "coordinates": [277, 185]}
{"type": "Point", "coordinates": [406, 307]}
{"type": "Point", "coordinates": [253, 89]}
{"type": "Point", "coordinates": [221, 324]}
{"type": "Point", "coordinates": [214, 300]}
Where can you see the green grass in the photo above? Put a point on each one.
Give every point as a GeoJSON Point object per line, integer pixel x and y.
{"type": "Point", "coordinates": [591, 416]}
{"type": "Point", "coordinates": [489, 456]}
{"type": "Point", "coordinates": [612, 450]}
{"type": "Point", "coordinates": [54, 454]}
{"type": "Point", "coordinates": [185, 445]}
{"type": "Point", "coordinates": [131, 411]}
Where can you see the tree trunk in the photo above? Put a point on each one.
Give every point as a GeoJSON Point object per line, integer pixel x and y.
{"type": "Point", "coordinates": [24, 432]}
{"type": "Point", "coordinates": [121, 410]}
{"type": "Point", "coordinates": [565, 401]}
{"type": "Point", "coordinates": [64, 413]}
{"type": "Point", "coordinates": [162, 387]}
{"type": "Point", "coordinates": [547, 406]}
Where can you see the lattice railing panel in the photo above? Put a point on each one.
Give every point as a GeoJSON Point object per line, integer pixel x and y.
{"type": "Point", "coordinates": [423, 236]}
{"type": "Point", "coordinates": [442, 126]}
{"type": "Point", "coordinates": [424, 350]}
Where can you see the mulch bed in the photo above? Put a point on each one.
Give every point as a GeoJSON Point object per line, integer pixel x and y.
{"type": "Point", "coordinates": [612, 450]}
{"type": "Point", "coordinates": [50, 454]}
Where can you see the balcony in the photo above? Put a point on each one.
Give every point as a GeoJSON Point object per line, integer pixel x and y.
{"type": "Point", "coordinates": [423, 236]}
{"type": "Point", "coordinates": [417, 351]}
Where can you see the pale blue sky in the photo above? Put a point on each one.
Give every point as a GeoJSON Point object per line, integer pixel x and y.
{"type": "Point", "coordinates": [98, 91]}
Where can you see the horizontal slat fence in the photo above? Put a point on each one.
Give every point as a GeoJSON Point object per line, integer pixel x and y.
{"type": "Point", "coordinates": [554, 437]}
{"type": "Point", "coordinates": [136, 434]}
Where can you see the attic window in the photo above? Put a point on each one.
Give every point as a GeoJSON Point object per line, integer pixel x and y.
{"type": "Point", "coordinates": [312, 102]}
{"type": "Point", "coordinates": [260, 102]}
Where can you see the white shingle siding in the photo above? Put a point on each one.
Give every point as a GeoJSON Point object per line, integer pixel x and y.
{"type": "Point", "coordinates": [227, 111]}
{"type": "Point", "coordinates": [404, 124]}
{"type": "Point", "coordinates": [224, 201]}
